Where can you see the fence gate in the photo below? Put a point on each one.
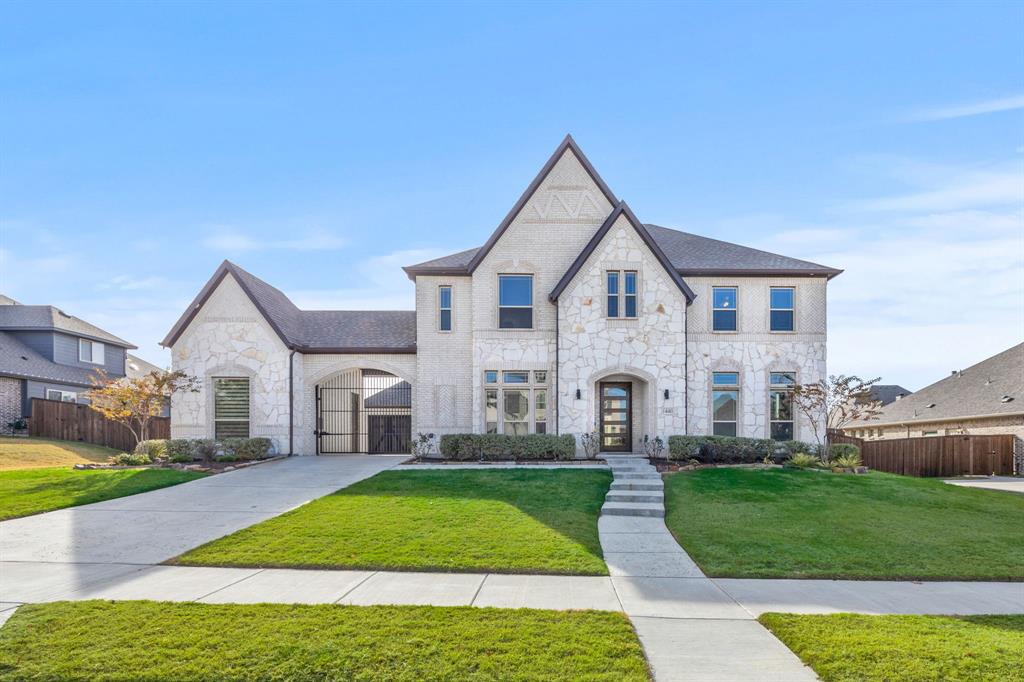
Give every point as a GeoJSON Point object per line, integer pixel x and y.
{"type": "Point", "coordinates": [363, 410]}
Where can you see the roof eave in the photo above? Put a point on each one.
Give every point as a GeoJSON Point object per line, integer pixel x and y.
{"type": "Point", "coordinates": [931, 420]}
{"type": "Point", "coordinates": [356, 350]}
{"type": "Point", "coordinates": [412, 272]}
{"type": "Point", "coordinates": [828, 273]}
{"type": "Point", "coordinates": [120, 343]}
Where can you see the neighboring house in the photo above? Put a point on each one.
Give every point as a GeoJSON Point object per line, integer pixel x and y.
{"type": "Point", "coordinates": [887, 393]}
{"type": "Point", "coordinates": [573, 317]}
{"type": "Point", "coordinates": [136, 367]}
{"type": "Point", "coordinates": [987, 398]}
{"type": "Point", "coordinates": [46, 353]}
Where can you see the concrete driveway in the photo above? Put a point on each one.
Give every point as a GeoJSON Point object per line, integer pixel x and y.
{"type": "Point", "coordinates": [69, 548]}
{"type": "Point", "coordinates": [1011, 484]}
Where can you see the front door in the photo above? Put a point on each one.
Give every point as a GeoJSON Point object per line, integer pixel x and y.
{"type": "Point", "coordinates": [616, 417]}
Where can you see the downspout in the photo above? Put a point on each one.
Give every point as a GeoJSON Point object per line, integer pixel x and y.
{"type": "Point", "coordinates": [558, 367]}
{"type": "Point", "coordinates": [291, 403]}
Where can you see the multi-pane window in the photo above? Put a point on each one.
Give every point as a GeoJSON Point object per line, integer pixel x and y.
{"type": "Point", "coordinates": [781, 313]}
{"type": "Point", "coordinates": [780, 404]}
{"type": "Point", "coordinates": [622, 293]}
{"type": "Point", "coordinates": [90, 351]}
{"type": "Point", "coordinates": [63, 396]}
{"type": "Point", "coordinates": [723, 312]}
{"type": "Point", "coordinates": [517, 404]}
{"type": "Point", "coordinates": [444, 308]}
{"type": "Point", "coordinates": [725, 396]}
{"type": "Point", "coordinates": [515, 301]}
{"type": "Point", "coordinates": [230, 407]}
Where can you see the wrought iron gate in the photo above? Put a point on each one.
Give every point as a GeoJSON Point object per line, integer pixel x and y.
{"type": "Point", "coordinates": [363, 410]}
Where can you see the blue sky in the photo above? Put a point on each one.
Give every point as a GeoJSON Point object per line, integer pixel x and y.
{"type": "Point", "coordinates": [323, 146]}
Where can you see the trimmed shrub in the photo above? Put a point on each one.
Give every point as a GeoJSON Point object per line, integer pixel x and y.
{"type": "Point", "coordinates": [127, 459]}
{"type": "Point", "coordinates": [492, 447]}
{"type": "Point", "coordinates": [226, 458]}
{"type": "Point", "coordinates": [204, 449]}
{"type": "Point", "coordinates": [228, 447]}
{"type": "Point", "coordinates": [793, 447]}
{"type": "Point", "coordinates": [155, 449]}
{"type": "Point", "coordinates": [178, 450]}
{"type": "Point", "coordinates": [253, 448]}
{"type": "Point", "coordinates": [724, 449]}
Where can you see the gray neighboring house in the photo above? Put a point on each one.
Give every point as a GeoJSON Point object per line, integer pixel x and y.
{"type": "Point", "coordinates": [888, 393]}
{"type": "Point", "coordinates": [136, 367]}
{"type": "Point", "coordinates": [46, 353]}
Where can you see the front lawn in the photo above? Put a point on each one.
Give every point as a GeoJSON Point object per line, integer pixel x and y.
{"type": "Point", "coordinates": [779, 523]}
{"type": "Point", "coordinates": [542, 521]}
{"type": "Point", "coordinates": [31, 491]}
{"type": "Point", "coordinates": [188, 641]}
{"type": "Point", "coordinates": [848, 647]}
{"type": "Point", "coordinates": [31, 453]}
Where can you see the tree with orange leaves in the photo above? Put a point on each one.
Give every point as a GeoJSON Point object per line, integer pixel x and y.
{"type": "Point", "coordinates": [134, 402]}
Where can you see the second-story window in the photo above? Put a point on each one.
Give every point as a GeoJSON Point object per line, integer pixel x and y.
{"type": "Point", "coordinates": [622, 293]}
{"type": "Point", "coordinates": [723, 314]}
{"type": "Point", "coordinates": [444, 308]}
{"type": "Point", "coordinates": [90, 351]}
{"type": "Point", "coordinates": [515, 301]}
{"type": "Point", "coordinates": [782, 308]}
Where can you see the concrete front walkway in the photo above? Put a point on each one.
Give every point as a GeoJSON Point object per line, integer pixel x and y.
{"type": "Point", "coordinates": [1010, 484]}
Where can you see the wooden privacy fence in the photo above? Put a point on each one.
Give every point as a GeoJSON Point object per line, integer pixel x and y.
{"type": "Point", "coordinates": [936, 455]}
{"type": "Point", "coordinates": [73, 421]}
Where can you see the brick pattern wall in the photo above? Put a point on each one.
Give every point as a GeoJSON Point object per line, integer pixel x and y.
{"type": "Point", "coordinates": [10, 402]}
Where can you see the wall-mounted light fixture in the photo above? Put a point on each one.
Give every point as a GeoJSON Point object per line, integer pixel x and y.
{"type": "Point", "coordinates": [578, 394]}
{"type": "Point", "coordinates": [666, 394]}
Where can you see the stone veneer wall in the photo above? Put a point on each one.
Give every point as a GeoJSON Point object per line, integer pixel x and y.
{"type": "Point", "coordinates": [649, 349]}
{"type": "Point", "coordinates": [229, 337]}
{"type": "Point", "coordinates": [10, 402]}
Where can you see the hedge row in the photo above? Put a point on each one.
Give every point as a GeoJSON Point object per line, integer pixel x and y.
{"type": "Point", "coordinates": [467, 447]}
{"type": "Point", "coordinates": [733, 450]}
{"type": "Point", "coordinates": [205, 449]}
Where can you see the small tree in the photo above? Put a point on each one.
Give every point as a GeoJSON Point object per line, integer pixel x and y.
{"type": "Point", "coordinates": [835, 403]}
{"type": "Point", "coordinates": [134, 402]}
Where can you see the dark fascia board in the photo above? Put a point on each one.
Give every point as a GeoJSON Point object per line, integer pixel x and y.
{"type": "Point", "coordinates": [411, 271]}
{"type": "Point", "coordinates": [357, 350]}
{"type": "Point", "coordinates": [47, 380]}
{"type": "Point", "coordinates": [68, 332]}
{"type": "Point", "coordinates": [621, 209]}
{"type": "Point", "coordinates": [200, 300]}
{"type": "Point", "coordinates": [827, 273]}
{"type": "Point", "coordinates": [567, 144]}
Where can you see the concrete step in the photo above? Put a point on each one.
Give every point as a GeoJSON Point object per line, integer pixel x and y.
{"type": "Point", "coordinates": [639, 476]}
{"type": "Point", "coordinates": [633, 509]}
{"type": "Point", "coordinates": [634, 470]}
{"type": "Point", "coordinates": [635, 496]}
{"type": "Point", "coordinates": [633, 485]}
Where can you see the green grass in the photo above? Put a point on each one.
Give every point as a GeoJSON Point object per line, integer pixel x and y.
{"type": "Point", "coordinates": [31, 453]}
{"type": "Point", "coordinates": [541, 521]}
{"type": "Point", "coordinates": [31, 491]}
{"type": "Point", "coordinates": [848, 647]}
{"type": "Point", "coordinates": [101, 640]}
{"type": "Point", "coordinates": [801, 524]}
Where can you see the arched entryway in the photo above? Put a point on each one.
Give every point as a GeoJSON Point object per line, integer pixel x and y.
{"type": "Point", "coordinates": [622, 414]}
{"type": "Point", "coordinates": [363, 410]}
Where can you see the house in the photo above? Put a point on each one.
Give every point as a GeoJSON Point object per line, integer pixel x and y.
{"type": "Point", "coordinates": [136, 367]}
{"type": "Point", "coordinates": [46, 353]}
{"type": "Point", "coordinates": [986, 398]}
{"type": "Point", "coordinates": [887, 393]}
{"type": "Point", "coordinates": [573, 317]}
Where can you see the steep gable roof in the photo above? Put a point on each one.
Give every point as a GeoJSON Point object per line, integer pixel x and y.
{"type": "Point", "coordinates": [49, 318]}
{"type": "Point", "coordinates": [992, 387]}
{"type": "Point", "coordinates": [311, 331]}
{"type": "Point", "coordinates": [621, 209]}
{"type": "Point", "coordinates": [467, 261]}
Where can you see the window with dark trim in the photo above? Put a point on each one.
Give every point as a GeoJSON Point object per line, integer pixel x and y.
{"type": "Point", "coordinates": [518, 404]}
{"type": "Point", "coordinates": [780, 404]}
{"type": "Point", "coordinates": [444, 308]}
{"type": "Point", "coordinates": [515, 301]}
{"type": "Point", "coordinates": [725, 398]}
{"type": "Point", "coordinates": [621, 296]}
{"type": "Point", "coordinates": [781, 301]}
{"type": "Point", "coordinates": [230, 407]}
{"type": "Point", "coordinates": [723, 309]}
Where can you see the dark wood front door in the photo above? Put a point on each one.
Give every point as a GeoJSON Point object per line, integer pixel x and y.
{"type": "Point", "coordinates": [616, 417]}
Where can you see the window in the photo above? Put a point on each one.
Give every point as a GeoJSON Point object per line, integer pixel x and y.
{"type": "Point", "coordinates": [781, 404]}
{"type": "Point", "coordinates": [725, 396]}
{"type": "Point", "coordinates": [230, 407]}
{"type": "Point", "coordinates": [621, 299]}
{"type": "Point", "coordinates": [723, 313]}
{"type": "Point", "coordinates": [781, 309]}
{"type": "Point", "coordinates": [63, 396]}
{"type": "Point", "coordinates": [444, 308]}
{"type": "Point", "coordinates": [517, 403]}
{"type": "Point", "coordinates": [515, 301]}
{"type": "Point", "coordinates": [90, 351]}
{"type": "Point", "coordinates": [929, 433]}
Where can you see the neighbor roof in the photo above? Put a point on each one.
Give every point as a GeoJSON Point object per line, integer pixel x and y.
{"type": "Point", "coordinates": [689, 254]}
{"type": "Point", "coordinates": [978, 391]}
{"type": "Point", "coordinates": [20, 361]}
{"type": "Point", "coordinates": [136, 368]}
{"type": "Point", "coordinates": [49, 318]}
{"type": "Point", "coordinates": [312, 331]}
{"type": "Point", "coordinates": [887, 393]}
